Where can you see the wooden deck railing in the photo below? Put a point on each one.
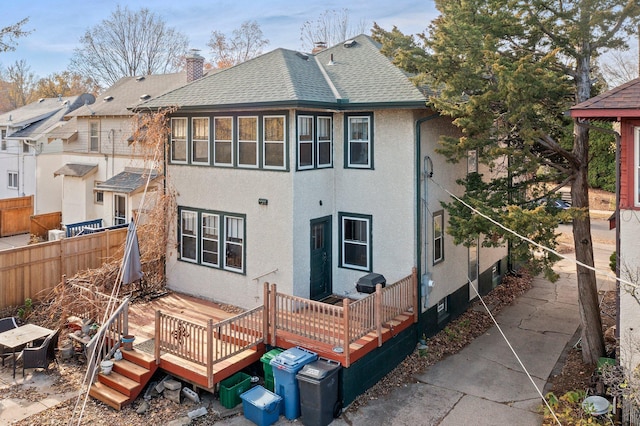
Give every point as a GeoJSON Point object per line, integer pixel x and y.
{"type": "Point", "coordinates": [107, 338]}
{"type": "Point", "coordinates": [209, 343]}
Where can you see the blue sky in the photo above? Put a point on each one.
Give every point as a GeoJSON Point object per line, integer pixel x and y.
{"type": "Point", "coordinates": [59, 24]}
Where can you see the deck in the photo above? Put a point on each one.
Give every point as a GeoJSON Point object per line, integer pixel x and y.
{"type": "Point", "coordinates": [203, 343]}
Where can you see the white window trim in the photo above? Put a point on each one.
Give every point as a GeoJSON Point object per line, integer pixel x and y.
{"type": "Point", "coordinates": [97, 191]}
{"type": "Point", "coordinates": [367, 220]}
{"type": "Point", "coordinates": [186, 139]}
{"type": "Point", "coordinates": [97, 136]}
{"type": "Point", "coordinates": [15, 179]}
{"type": "Point", "coordinates": [329, 141]}
{"type": "Point", "coordinates": [283, 144]}
{"type": "Point", "coordinates": [368, 142]}
{"type": "Point", "coordinates": [256, 142]}
{"type": "Point", "coordinates": [193, 141]}
{"type": "Point", "coordinates": [241, 229]}
{"type": "Point", "coordinates": [636, 163]}
{"type": "Point", "coordinates": [230, 141]}
{"type": "Point", "coordinates": [310, 142]}
{"type": "Point", "coordinates": [196, 230]}
{"type": "Point", "coordinates": [217, 240]}
{"type": "Point", "coordinates": [116, 219]}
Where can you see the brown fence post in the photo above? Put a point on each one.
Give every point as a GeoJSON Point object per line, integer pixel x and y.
{"type": "Point", "coordinates": [210, 352]}
{"type": "Point", "coordinates": [347, 335]}
{"type": "Point", "coordinates": [265, 312]}
{"type": "Point", "coordinates": [416, 302]}
{"type": "Point", "coordinates": [273, 311]}
{"type": "Point", "coordinates": [157, 339]}
{"type": "Point", "coordinates": [377, 310]}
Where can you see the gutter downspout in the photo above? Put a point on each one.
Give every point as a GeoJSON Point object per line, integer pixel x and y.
{"type": "Point", "coordinates": [419, 213]}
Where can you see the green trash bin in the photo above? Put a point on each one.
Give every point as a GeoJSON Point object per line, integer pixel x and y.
{"type": "Point", "coordinates": [268, 369]}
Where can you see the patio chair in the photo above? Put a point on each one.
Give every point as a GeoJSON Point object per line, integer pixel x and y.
{"type": "Point", "coordinates": [6, 324]}
{"type": "Point", "coordinates": [41, 356]}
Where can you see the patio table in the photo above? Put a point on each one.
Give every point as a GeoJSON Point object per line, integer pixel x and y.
{"type": "Point", "coordinates": [23, 335]}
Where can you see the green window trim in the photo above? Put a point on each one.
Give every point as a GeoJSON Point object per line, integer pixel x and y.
{"type": "Point", "coordinates": [356, 238]}
{"type": "Point", "coordinates": [314, 141]}
{"type": "Point", "coordinates": [438, 236]}
{"type": "Point", "coordinates": [358, 141]}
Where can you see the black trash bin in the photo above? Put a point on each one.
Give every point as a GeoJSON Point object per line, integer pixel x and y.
{"type": "Point", "coordinates": [319, 402]}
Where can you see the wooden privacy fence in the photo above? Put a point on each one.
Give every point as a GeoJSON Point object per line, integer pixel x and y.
{"type": "Point", "coordinates": [15, 215]}
{"type": "Point", "coordinates": [207, 344]}
{"type": "Point", "coordinates": [33, 270]}
{"type": "Point", "coordinates": [41, 224]}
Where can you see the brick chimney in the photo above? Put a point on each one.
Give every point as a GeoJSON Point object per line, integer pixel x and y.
{"type": "Point", "coordinates": [319, 46]}
{"type": "Point", "coordinates": [195, 65]}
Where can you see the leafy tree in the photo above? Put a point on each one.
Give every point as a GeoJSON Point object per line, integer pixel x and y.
{"type": "Point", "coordinates": [127, 44]}
{"type": "Point", "coordinates": [506, 72]}
{"type": "Point", "coordinates": [65, 83]}
{"type": "Point", "coordinates": [8, 35]}
{"type": "Point", "coordinates": [246, 43]}
{"type": "Point", "coordinates": [331, 27]}
{"type": "Point", "coordinates": [19, 84]}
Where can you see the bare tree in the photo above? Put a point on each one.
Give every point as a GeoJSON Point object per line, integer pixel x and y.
{"type": "Point", "coordinates": [127, 44]}
{"type": "Point", "coordinates": [246, 43]}
{"type": "Point", "coordinates": [8, 35]}
{"type": "Point", "coordinates": [20, 83]}
{"type": "Point", "coordinates": [620, 67]}
{"type": "Point", "coordinates": [331, 27]}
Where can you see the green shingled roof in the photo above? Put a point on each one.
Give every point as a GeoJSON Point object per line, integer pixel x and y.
{"type": "Point", "coordinates": [359, 76]}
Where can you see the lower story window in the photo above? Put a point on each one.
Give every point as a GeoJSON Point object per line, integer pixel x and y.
{"type": "Point", "coordinates": [355, 241]}
{"type": "Point", "coordinates": [13, 180]}
{"type": "Point", "coordinates": [214, 239]}
{"type": "Point", "coordinates": [119, 209]}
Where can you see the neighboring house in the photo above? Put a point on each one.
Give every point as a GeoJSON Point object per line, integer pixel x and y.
{"type": "Point", "coordinates": [308, 171]}
{"type": "Point", "coordinates": [104, 173]}
{"type": "Point", "coordinates": [622, 105]}
{"type": "Point", "coordinates": [24, 152]}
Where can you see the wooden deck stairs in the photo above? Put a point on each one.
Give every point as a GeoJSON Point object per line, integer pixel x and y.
{"type": "Point", "coordinates": [127, 379]}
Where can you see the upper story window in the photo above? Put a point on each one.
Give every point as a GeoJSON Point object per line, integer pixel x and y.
{"type": "Point", "coordinates": [438, 237]}
{"type": "Point", "coordinates": [223, 141]}
{"type": "Point", "coordinates": [178, 140]}
{"type": "Point", "coordinates": [94, 136]}
{"type": "Point", "coordinates": [355, 241]}
{"type": "Point", "coordinates": [3, 140]}
{"type": "Point", "coordinates": [246, 141]}
{"type": "Point", "coordinates": [359, 141]}
{"type": "Point", "coordinates": [315, 139]}
{"type": "Point", "coordinates": [273, 142]}
{"type": "Point", "coordinates": [472, 161]}
{"type": "Point", "coordinates": [214, 239]}
{"type": "Point", "coordinates": [12, 182]}
{"type": "Point", "coordinates": [200, 140]}
{"type": "Point", "coordinates": [25, 147]}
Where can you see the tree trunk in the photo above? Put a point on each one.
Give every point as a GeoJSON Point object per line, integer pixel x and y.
{"type": "Point", "coordinates": [592, 338]}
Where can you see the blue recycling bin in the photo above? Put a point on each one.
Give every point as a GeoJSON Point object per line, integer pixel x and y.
{"type": "Point", "coordinates": [285, 367]}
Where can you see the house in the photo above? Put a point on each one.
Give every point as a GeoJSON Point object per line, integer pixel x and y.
{"type": "Point", "coordinates": [25, 153]}
{"type": "Point", "coordinates": [313, 171]}
{"type": "Point", "coordinates": [104, 172]}
{"type": "Point", "coordinates": [621, 105]}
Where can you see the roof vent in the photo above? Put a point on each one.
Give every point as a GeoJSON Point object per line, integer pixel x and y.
{"type": "Point", "coordinates": [40, 100]}
{"type": "Point", "coordinates": [144, 97]}
{"type": "Point", "coordinates": [331, 60]}
{"type": "Point", "coordinates": [108, 98]}
{"type": "Point", "coordinates": [349, 43]}
{"type": "Point", "coordinates": [302, 56]}
{"type": "Point", "coordinates": [140, 78]}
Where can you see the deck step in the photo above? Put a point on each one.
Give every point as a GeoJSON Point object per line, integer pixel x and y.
{"type": "Point", "coordinates": [139, 357]}
{"type": "Point", "coordinates": [120, 383]}
{"type": "Point", "coordinates": [131, 370]}
{"type": "Point", "coordinates": [109, 396]}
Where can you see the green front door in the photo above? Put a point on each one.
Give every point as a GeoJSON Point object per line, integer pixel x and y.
{"type": "Point", "coordinates": [320, 276]}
